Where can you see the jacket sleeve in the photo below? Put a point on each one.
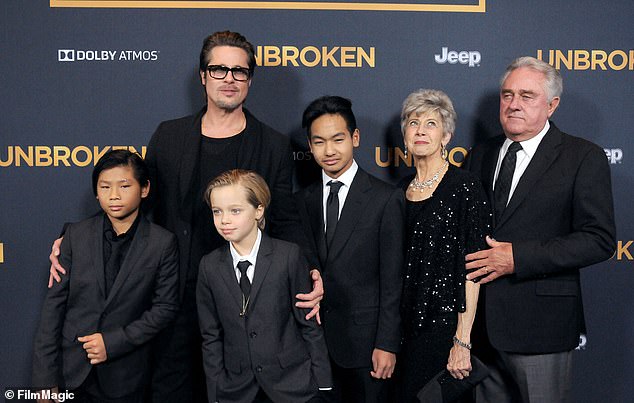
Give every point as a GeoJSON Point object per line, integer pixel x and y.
{"type": "Point", "coordinates": [392, 241]}
{"type": "Point", "coordinates": [592, 235]}
{"type": "Point", "coordinates": [210, 329]}
{"type": "Point", "coordinates": [165, 304]}
{"type": "Point", "coordinates": [312, 333]}
{"type": "Point", "coordinates": [47, 371]}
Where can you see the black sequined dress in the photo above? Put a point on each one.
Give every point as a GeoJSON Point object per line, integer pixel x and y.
{"type": "Point", "coordinates": [441, 230]}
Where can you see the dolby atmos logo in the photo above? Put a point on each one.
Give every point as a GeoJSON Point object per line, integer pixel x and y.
{"type": "Point", "coordinates": [77, 55]}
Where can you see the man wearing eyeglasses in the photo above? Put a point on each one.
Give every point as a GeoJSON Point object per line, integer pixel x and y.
{"type": "Point", "coordinates": [183, 156]}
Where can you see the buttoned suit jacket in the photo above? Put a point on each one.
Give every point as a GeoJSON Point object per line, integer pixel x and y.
{"type": "Point", "coordinates": [559, 219]}
{"type": "Point", "coordinates": [142, 301]}
{"type": "Point", "coordinates": [273, 346]}
{"type": "Point", "coordinates": [172, 158]}
{"type": "Point", "coordinates": [362, 268]}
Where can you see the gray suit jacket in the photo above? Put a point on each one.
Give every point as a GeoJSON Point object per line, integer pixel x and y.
{"type": "Point", "coordinates": [143, 300]}
{"type": "Point", "coordinates": [273, 347]}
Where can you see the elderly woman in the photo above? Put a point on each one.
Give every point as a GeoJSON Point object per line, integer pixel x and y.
{"type": "Point", "coordinates": [447, 218]}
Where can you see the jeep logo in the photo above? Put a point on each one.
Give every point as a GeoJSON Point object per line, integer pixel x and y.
{"type": "Point", "coordinates": [472, 57]}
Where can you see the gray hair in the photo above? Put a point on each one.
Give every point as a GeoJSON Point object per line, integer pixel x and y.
{"type": "Point", "coordinates": [553, 85]}
{"type": "Point", "coordinates": [426, 101]}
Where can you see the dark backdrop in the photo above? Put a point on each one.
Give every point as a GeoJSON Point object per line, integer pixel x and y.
{"type": "Point", "coordinates": [134, 67]}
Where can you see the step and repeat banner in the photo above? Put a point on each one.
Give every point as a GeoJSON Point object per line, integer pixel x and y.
{"type": "Point", "coordinates": [78, 78]}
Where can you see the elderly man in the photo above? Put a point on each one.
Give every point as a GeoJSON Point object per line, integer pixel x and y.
{"type": "Point", "coordinates": [552, 198]}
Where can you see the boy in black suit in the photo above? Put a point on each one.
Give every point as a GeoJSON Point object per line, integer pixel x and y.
{"type": "Point", "coordinates": [120, 290]}
{"type": "Point", "coordinates": [257, 346]}
{"type": "Point", "coordinates": [356, 223]}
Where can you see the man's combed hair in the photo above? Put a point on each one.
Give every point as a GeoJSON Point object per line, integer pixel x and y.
{"type": "Point", "coordinates": [553, 85]}
{"type": "Point", "coordinates": [226, 38]}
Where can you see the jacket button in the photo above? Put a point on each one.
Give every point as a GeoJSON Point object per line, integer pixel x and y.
{"type": "Point", "coordinates": [258, 368]}
{"type": "Point", "coordinates": [185, 232]}
{"type": "Point", "coordinates": [254, 335]}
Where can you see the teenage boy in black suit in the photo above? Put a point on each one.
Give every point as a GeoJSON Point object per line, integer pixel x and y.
{"type": "Point", "coordinates": [120, 290]}
{"type": "Point", "coordinates": [356, 224]}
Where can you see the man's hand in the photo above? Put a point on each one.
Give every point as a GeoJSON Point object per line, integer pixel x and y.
{"type": "Point", "coordinates": [94, 347]}
{"type": "Point", "coordinates": [55, 266]}
{"type": "Point", "coordinates": [312, 300]}
{"type": "Point", "coordinates": [383, 363]}
{"type": "Point", "coordinates": [491, 263]}
{"type": "Point", "coordinates": [459, 363]}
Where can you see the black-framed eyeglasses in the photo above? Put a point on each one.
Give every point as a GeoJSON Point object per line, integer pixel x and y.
{"type": "Point", "coordinates": [219, 72]}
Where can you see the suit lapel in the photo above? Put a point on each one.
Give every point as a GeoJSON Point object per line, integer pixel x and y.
{"type": "Point", "coordinates": [228, 274]}
{"type": "Point", "coordinates": [489, 163]}
{"type": "Point", "coordinates": [136, 249]}
{"type": "Point", "coordinates": [315, 207]}
{"type": "Point", "coordinates": [189, 161]}
{"type": "Point", "coordinates": [352, 211]}
{"type": "Point", "coordinates": [97, 255]}
{"type": "Point", "coordinates": [546, 153]}
{"type": "Point", "coordinates": [490, 160]}
{"type": "Point", "coordinates": [263, 264]}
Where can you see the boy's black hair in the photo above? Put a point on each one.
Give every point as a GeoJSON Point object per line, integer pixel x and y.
{"type": "Point", "coordinates": [329, 105]}
{"type": "Point", "coordinates": [119, 158]}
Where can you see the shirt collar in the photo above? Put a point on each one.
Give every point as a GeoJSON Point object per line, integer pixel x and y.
{"type": "Point", "coordinates": [528, 146]}
{"type": "Point", "coordinates": [251, 257]}
{"type": "Point", "coordinates": [346, 178]}
{"type": "Point", "coordinates": [108, 229]}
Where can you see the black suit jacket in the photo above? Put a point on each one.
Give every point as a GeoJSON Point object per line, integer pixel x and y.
{"type": "Point", "coordinates": [559, 219]}
{"type": "Point", "coordinates": [274, 347]}
{"type": "Point", "coordinates": [142, 301]}
{"type": "Point", "coordinates": [172, 158]}
{"type": "Point", "coordinates": [362, 270]}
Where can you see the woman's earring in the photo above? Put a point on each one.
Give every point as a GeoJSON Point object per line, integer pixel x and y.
{"type": "Point", "coordinates": [444, 154]}
{"type": "Point", "coordinates": [405, 153]}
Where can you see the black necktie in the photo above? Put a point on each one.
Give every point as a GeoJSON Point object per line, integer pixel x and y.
{"type": "Point", "coordinates": [245, 284]}
{"type": "Point", "coordinates": [332, 210]}
{"type": "Point", "coordinates": [505, 177]}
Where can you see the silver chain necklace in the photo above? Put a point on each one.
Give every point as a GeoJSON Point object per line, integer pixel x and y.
{"type": "Point", "coordinates": [429, 183]}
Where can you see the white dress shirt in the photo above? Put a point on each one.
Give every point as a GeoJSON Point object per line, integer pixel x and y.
{"type": "Point", "coordinates": [346, 179]}
{"type": "Point", "coordinates": [251, 257]}
{"type": "Point", "coordinates": [524, 156]}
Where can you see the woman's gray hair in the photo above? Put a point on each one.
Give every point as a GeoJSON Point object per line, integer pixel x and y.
{"type": "Point", "coordinates": [553, 85]}
{"type": "Point", "coordinates": [425, 101]}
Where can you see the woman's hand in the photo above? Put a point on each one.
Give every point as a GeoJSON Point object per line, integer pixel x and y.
{"type": "Point", "coordinates": [459, 364]}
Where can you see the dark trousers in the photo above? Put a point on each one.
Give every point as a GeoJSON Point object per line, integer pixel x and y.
{"type": "Point", "coordinates": [91, 392]}
{"type": "Point", "coordinates": [356, 385]}
{"type": "Point", "coordinates": [523, 378]}
{"type": "Point", "coordinates": [178, 374]}
{"type": "Point", "coordinates": [320, 397]}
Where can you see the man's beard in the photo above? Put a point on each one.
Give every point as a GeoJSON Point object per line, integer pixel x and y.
{"type": "Point", "coordinates": [228, 106]}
